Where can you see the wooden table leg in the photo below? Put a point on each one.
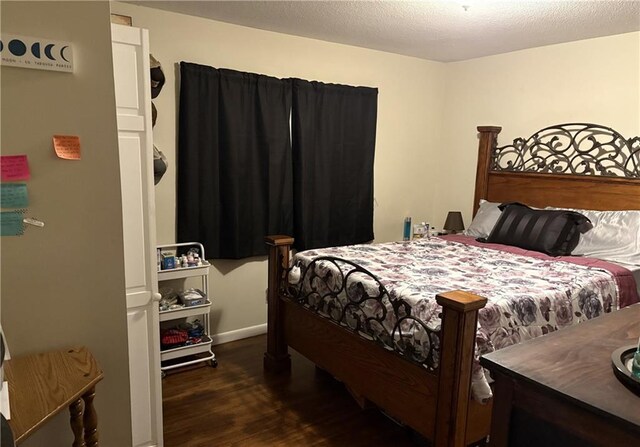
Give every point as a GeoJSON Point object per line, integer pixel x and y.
{"type": "Point", "coordinates": [76, 411]}
{"type": "Point", "coordinates": [501, 413]}
{"type": "Point", "coordinates": [90, 419]}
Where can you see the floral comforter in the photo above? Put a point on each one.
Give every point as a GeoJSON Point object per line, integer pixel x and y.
{"type": "Point", "coordinates": [527, 297]}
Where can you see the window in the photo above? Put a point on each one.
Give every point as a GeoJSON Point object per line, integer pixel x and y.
{"type": "Point", "coordinates": [240, 178]}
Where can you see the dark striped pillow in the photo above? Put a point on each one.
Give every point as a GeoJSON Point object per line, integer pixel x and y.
{"type": "Point", "coordinates": [554, 232]}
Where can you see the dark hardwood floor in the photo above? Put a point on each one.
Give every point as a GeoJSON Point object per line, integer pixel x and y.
{"type": "Point", "coordinates": [236, 404]}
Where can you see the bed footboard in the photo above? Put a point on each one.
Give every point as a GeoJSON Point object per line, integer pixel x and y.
{"type": "Point", "coordinates": [277, 357]}
{"type": "Point", "coordinates": [459, 321]}
{"type": "Point", "coordinates": [435, 403]}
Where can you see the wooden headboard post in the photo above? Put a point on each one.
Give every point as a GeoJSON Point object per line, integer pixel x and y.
{"type": "Point", "coordinates": [488, 140]}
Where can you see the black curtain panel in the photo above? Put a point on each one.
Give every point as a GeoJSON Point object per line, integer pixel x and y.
{"type": "Point", "coordinates": [334, 132]}
{"type": "Point", "coordinates": [234, 181]}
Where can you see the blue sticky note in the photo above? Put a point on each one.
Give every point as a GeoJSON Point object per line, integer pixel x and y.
{"type": "Point", "coordinates": [14, 195]}
{"type": "Point", "coordinates": [11, 223]}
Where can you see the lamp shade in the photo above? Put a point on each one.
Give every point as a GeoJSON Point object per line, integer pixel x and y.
{"type": "Point", "coordinates": [454, 222]}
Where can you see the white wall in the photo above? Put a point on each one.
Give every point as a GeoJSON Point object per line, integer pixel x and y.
{"type": "Point", "coordinates": [409, 118]}
{"type": "Point", "coordinates": [592, 81]}
{"type": "Point", "coordinates": [63, 285]}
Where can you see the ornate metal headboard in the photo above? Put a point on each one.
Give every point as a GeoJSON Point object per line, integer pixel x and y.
{"type": "Point", "coordinates": [569, 165]}
{"type": "Point", "coordinates": [574, 148]}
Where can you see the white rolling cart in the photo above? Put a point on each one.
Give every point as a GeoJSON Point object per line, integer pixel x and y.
{"type": "Point", "coordinates": [202, 351]}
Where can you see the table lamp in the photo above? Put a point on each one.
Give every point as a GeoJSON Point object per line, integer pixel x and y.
{"type": "Point", "coordinates": [454, 222]}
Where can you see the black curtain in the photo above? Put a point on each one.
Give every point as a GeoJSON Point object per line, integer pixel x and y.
{"type": "Point", "coordinates": [234, 181]}
{"type": "Point", "coordinates": [334, 131]}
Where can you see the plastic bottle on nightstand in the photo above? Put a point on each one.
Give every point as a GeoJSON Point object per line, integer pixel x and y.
{"type": "Point", "coordinates": [407, 229]}
{"type": "Point", "coordinates": [635, 366]}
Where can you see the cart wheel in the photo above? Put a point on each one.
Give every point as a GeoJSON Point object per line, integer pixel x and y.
{"type": "Point", "coordinates": [163, 374]}
{"type": "Point", "coordinates": [214, 363]}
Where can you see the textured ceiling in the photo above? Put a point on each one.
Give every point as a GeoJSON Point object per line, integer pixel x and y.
{"type": "Point", "coordinates": [444, 30]}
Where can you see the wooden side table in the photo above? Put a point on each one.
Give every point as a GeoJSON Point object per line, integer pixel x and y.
{"type": "Point", "coordinates": [560, 389]}
{"type": "Point", "coordinates": [42, 385]}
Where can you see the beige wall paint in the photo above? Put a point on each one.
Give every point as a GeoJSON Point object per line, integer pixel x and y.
{"type": "Point", "coordinates": [63, 285]}
{"type": "Point", "coordinates": [409, 118]}
{"type": "Point", "coordinates": [593, 81]}
{"type": "Point", "coordinates": [426, 140]}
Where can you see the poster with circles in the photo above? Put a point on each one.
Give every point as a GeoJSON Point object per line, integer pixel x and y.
{"type": "Point", "coordinates": [36, 52]}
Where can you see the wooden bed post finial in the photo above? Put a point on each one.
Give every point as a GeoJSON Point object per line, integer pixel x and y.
{"type": "Point", "coordinates": [487, 141]}
{"type": "Point", "coordinates": [458, 332]}
{"type": "Point", "coordinates": [277, 357]}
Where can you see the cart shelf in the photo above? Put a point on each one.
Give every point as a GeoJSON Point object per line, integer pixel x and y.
{"type": "Point", "coordinates": [183, 351]}
{"type": "Point", "coordinates": [183, 272]}
{"type": "Point", "coordinates": [184, 312]}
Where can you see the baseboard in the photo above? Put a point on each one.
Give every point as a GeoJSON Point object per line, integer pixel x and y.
{"type": "Point", "coordinates": [239, 334]}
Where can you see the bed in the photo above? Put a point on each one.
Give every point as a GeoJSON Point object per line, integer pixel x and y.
{"type": "Point", "coordinates": [577, 166]}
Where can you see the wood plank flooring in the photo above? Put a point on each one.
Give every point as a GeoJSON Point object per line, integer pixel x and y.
{"type": "Point", "coordinates": [236, 404]}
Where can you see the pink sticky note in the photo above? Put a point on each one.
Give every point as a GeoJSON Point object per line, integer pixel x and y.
{"type": "Point", "coordinates": [14, 167]}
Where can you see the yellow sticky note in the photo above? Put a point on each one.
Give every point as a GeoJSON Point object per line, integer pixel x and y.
{"type": "Point", "coordinates": [67, 146]}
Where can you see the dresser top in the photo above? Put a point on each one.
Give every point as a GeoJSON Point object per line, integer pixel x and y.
{"type": "Point", "coordinates": [575, 363]}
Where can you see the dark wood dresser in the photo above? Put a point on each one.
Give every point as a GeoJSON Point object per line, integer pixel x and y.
{"type": "Point", "coordinates": [560, 389]}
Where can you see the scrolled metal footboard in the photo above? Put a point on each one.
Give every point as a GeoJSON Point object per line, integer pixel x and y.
{"type": "Point", "coordinates": [353, 297]}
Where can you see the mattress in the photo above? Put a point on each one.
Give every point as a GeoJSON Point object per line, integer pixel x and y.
{"type": "Point", "coordinates": [635, 272]}
{"type": "Point", "coordinates": [527, 296]}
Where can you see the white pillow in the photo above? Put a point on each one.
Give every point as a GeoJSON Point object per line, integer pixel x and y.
{"type": "Point", "coordinates": [615, 236]}
{"type": "Point", "coordinates": [484, 220]}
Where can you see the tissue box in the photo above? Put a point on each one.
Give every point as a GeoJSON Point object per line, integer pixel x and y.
{"type": "Point", "coordinates": [193, 297]}
{"type": "Point", "coordinates": [420, 230]}
{"type": "Point", "coordinates": [168, 261]}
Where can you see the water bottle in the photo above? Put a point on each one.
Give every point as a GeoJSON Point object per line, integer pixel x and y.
{"type": "Point", "coordinates": [635, 366]}
{"type": "Point", "coordinates": [407, 229]}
